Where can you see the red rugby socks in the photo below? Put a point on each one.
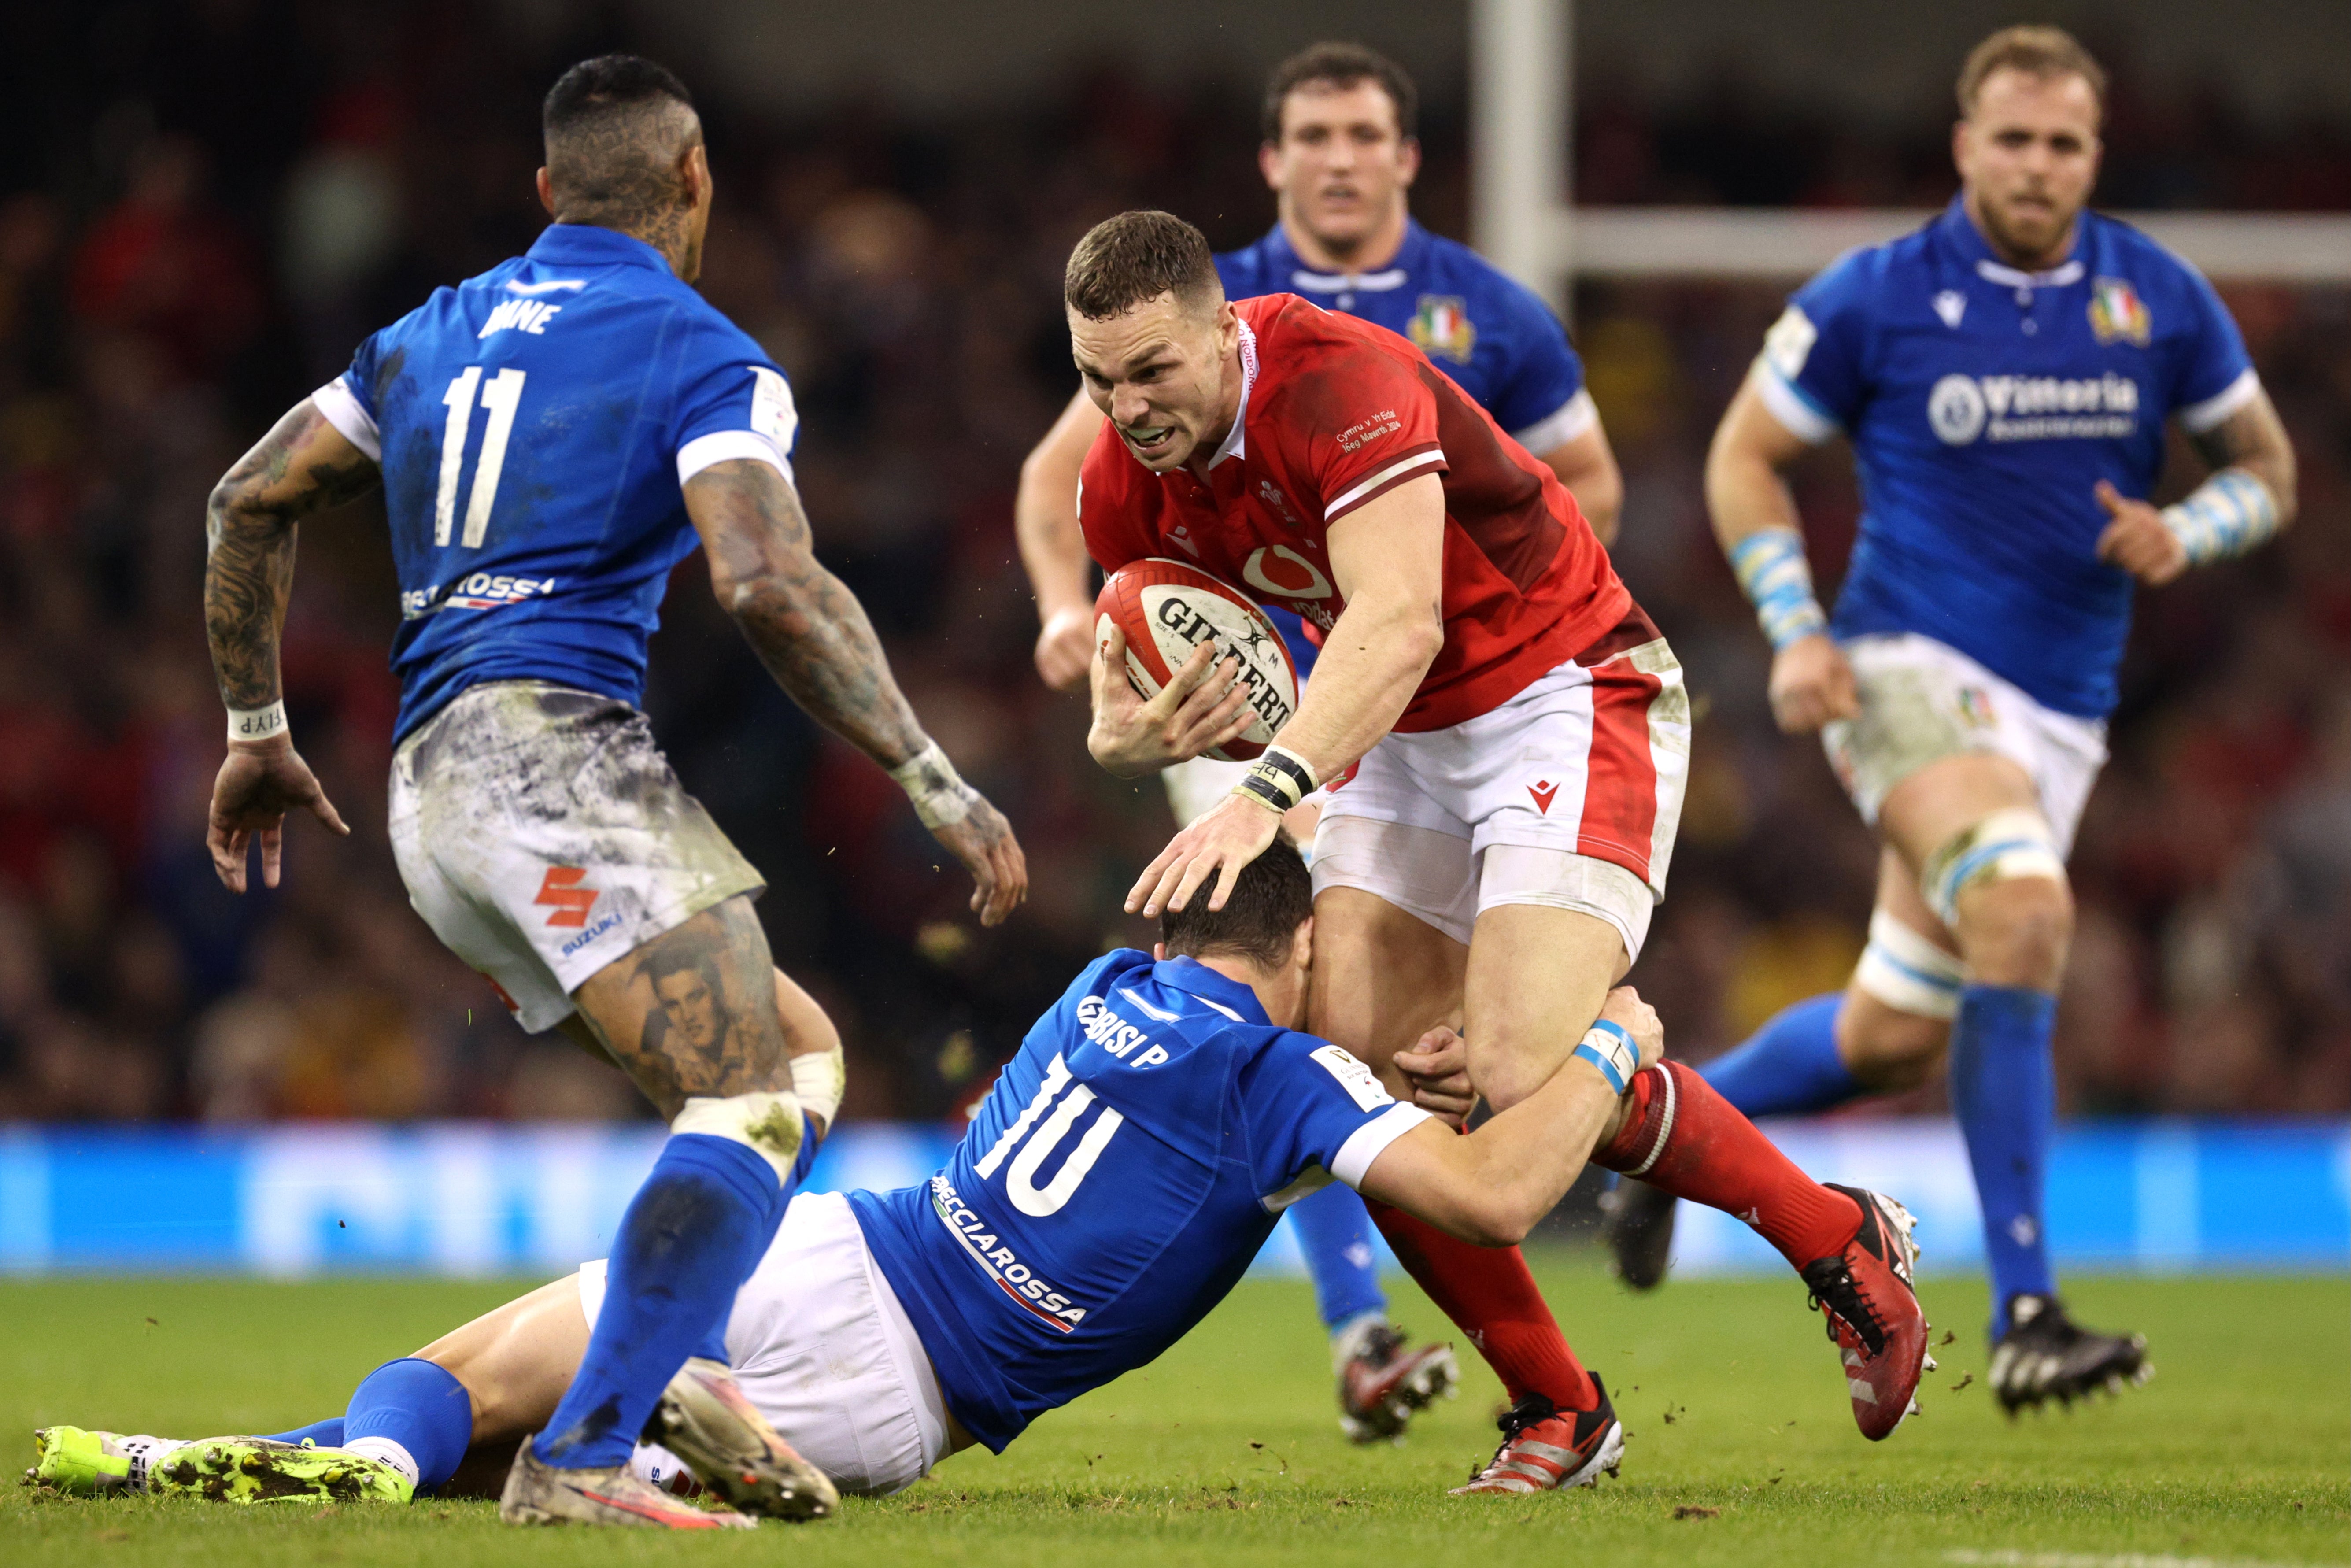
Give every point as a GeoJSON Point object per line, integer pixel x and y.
{"type": "Point", "coordinates": [1492, 1297]}
{"type": "Point", "coordinates": [1684, 1138]}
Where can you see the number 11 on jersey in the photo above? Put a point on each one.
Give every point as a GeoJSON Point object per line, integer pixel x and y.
{"type": "Point", "coordinates": [501, 396]}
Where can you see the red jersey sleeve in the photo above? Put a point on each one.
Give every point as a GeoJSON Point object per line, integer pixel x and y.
{"type": "Point", "coordinates": [1356, 416]}
{"type": "Point", "coordinates": [1108, 511]}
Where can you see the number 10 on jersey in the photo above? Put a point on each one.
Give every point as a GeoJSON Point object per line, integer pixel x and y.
{"type": "Point", "coordinates": [501, 395]}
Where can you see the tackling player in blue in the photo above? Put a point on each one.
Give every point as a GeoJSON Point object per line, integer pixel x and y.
{"type": "Point", "coordinates": [1340, 153]}
{"type": "Point", "coordinates": [2004, 375]}
{"type": "Point", "coordinates": [1124, 1170]}
{"type": "Point", "coordinates": [551, 437]}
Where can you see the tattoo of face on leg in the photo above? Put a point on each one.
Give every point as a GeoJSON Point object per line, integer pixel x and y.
{"type": "Point", "coordinates": [699, 1003]}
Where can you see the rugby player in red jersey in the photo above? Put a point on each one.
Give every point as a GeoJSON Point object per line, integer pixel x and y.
{"type": "Point", "coordinates": [1501, 733]}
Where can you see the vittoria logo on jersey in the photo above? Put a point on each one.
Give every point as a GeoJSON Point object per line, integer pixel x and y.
{"type": "Point", "coordinates": [1017, 1279]}
{"type": "Point", "coordinates": [2032, 408]}
{"type": "Point", "coordinates": [1442, 326]}
{"type": "Point", "coordinates": [2118, 314]}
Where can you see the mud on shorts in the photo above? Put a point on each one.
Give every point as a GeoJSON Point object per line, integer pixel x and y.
{"type": "Point", "coordinates": [820, 1345]}
{"type": "Point", "coordinates": [1922, 701]}
{"type": "Point", "coordinates": [542, 835]}
{"type": "Point", "coordinates": [1566, 795]}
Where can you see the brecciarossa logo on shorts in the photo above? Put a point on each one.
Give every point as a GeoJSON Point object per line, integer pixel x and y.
{"type": "Point", "coordinates": [2032, 408]}
{"type": "Point", "coordinates": [1014, 1278]}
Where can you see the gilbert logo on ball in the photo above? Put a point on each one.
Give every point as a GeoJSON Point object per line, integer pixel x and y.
{"type": "Point", "coordinates": [1167, 609]}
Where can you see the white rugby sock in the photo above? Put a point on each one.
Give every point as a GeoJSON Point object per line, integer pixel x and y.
{"type": "Point", "coordinates": [658, 1466]}
{"type": "Point", "coordinates": [386, 1451]}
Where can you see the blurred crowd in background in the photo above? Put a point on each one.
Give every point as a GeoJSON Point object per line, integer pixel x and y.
{"type": "Point", "coordinates": [204, 209]}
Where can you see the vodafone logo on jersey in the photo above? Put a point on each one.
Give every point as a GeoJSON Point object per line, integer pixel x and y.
{"type": "Point", "coordinates": [1281, 571]}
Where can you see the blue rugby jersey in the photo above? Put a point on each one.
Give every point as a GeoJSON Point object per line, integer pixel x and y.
{"type": "Point", "coordinates": [1492, 335]}
{"type": "Point", "coordinates": [1984, 404]}
{"type": "Point", "coordinates": [1129, 1163]}
{"type": "Point", "coordinates": [536, 426]}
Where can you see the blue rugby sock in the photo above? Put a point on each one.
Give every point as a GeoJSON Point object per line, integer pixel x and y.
{"type": "Point", "coordinates": [419, 1405]}
{"type": "Point", "coordinates": [1334, 1231]}
{"type": "Point", "coordinates": [1790, 1066]}
{"type": "Point", "coordinates": [691, 1236]}
{"type": "Point", "coordinates": [2004, 1091]}
{"type": "Point", "coordinates": [326, 1433]}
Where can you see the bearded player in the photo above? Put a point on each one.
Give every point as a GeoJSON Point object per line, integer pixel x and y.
{"type": "Point", "coordinates": [2004, 375]}
{"type": "Point", "coordinates": [1503, 733]}
{"type": "Point", "coordinates": [551, 438]}
{"type": "Point", "coordinates": [1124, 1170]}
{"type": "Point", "coordinates": [1341, 150]}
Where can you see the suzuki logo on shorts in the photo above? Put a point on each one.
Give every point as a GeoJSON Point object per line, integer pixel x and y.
{"type": "Point", "coordinates": [1543, 790]}
{"type": "Point", "coordinates": [561, 892]}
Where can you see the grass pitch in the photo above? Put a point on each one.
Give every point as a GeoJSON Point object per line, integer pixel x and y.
{"type": "Point", "coordinates": [1226, 1451]}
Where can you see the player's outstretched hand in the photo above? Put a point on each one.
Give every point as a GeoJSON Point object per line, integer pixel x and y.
{"type": "Point", "coordinates": [1066, 646]}
{"type": "Point", "coordinates": [1640, 1020]}
{"type": "Point", "coordinates": [261, 781]}
{"type": "Point", "coordinates": [1811, 684]}
{"type": "Point", "coordinates": [1219, 844]}
{"type": "Point", "coordinates": [1202, 707]}
{"type": "Point", "coordinates": [1437, 1067]}
{"type": "Point", "coordinates": [983, 840]}
{"type": "Point", "coordinates": [2137, 539]}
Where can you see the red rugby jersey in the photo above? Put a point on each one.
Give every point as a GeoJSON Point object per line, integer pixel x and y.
{"type": "Point", "coordinates": [1335, 413]}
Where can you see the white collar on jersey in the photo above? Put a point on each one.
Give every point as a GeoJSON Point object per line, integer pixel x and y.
{"type": "Point", "coordinates": [1236, 442]}
{"type": "Point", "coordinates": [2009, 278]}
{"type": "Point", "coordinates": [1348, 282]}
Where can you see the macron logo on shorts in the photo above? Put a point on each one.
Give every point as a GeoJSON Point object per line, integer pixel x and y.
{"type": "Point", "coordinates": [1543, 790]}
{"type": "Point", "coordinates": [562, 893]}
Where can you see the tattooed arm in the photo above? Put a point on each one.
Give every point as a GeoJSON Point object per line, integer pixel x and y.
{"type": "Point", "coordinates": [813, 636]}
{"type": "Point", "coordinates": [2250, 444]}
{"type": "Point", "coordinates": [302, 466]}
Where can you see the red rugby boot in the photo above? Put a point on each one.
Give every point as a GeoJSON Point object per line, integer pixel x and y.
{"type": "Point", "coordinates": [1545, 1449]}
{"type": "Point", "coordinates": [1873, 1314]}
{"type": "Point", "coordinates": [1384, 1381]}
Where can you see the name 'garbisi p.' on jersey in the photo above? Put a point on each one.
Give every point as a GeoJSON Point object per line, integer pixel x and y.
{"type": "Point", "coordinates": [1117, 1182]}
{"type": "Point", "coordinates": [536, 426]}
{"type": "Point", "coordinates": [1984, 403]}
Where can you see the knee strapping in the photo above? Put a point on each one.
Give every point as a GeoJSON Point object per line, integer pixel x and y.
{"type": "Point", "coordinates": [768, 1121]}
{"type": "Point", "coordinates": [819, 1079]}
{"type": "Point", "coordinates": [1909, 972]}
{"type": "Point", "coordinates": [2006, 846]}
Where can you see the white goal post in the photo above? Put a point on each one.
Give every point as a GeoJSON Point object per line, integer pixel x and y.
{"type": "Point", "coordinates": [1521, 99]}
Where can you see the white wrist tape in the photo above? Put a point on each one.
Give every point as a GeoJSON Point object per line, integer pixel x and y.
{"type": "Point", "coordinates": [768, 1121]}
{"type": "Point", "coordinates": [256, 724]}
{"type": "Point", "coordinates": [2226, 516]}
{"type": "Point", "coordinates": [818, 1078]}
{"type": "Point", "coordinates": [941, 797]}
{"type": "Point", "coordinates": [1609, 1047]}
{"type": "Point", "coordinates": [1771, 571]}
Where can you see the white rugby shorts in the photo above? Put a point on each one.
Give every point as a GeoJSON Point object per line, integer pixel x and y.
{"type": "Point", "coordinates": [822, 1346]}
{"type": "Point", "coordinates": [1922, 701]}
{"type": "Point", "coordinates": [542, 835]}
{"type": "Point", "coordinates": [1567, 796]}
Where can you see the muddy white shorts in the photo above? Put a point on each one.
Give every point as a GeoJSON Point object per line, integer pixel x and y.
{"type": "Point", "coordinates": [1566, 795]}
{"type": "Point", "coordinates": [1197, 787]}
{"type": "Point", "coordinates": [822, 1346]}
{"type": "Point", "coordinates": [1921, 702]}
{"type": "Point", "coordinates": [542, 835]}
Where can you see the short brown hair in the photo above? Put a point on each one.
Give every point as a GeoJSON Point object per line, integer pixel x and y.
{"type": "Point", "coordinates": [1342, 66]}
{"type": "Point", "coordinates": [1271, 899]}
{"type": "Point", "coordinates": [1136, 257]}
{"type": "Point", "coordinates": [2044, 52]}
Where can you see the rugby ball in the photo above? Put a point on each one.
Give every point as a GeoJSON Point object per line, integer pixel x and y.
{"type": "Point", "coordinates": [1167, 608]}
